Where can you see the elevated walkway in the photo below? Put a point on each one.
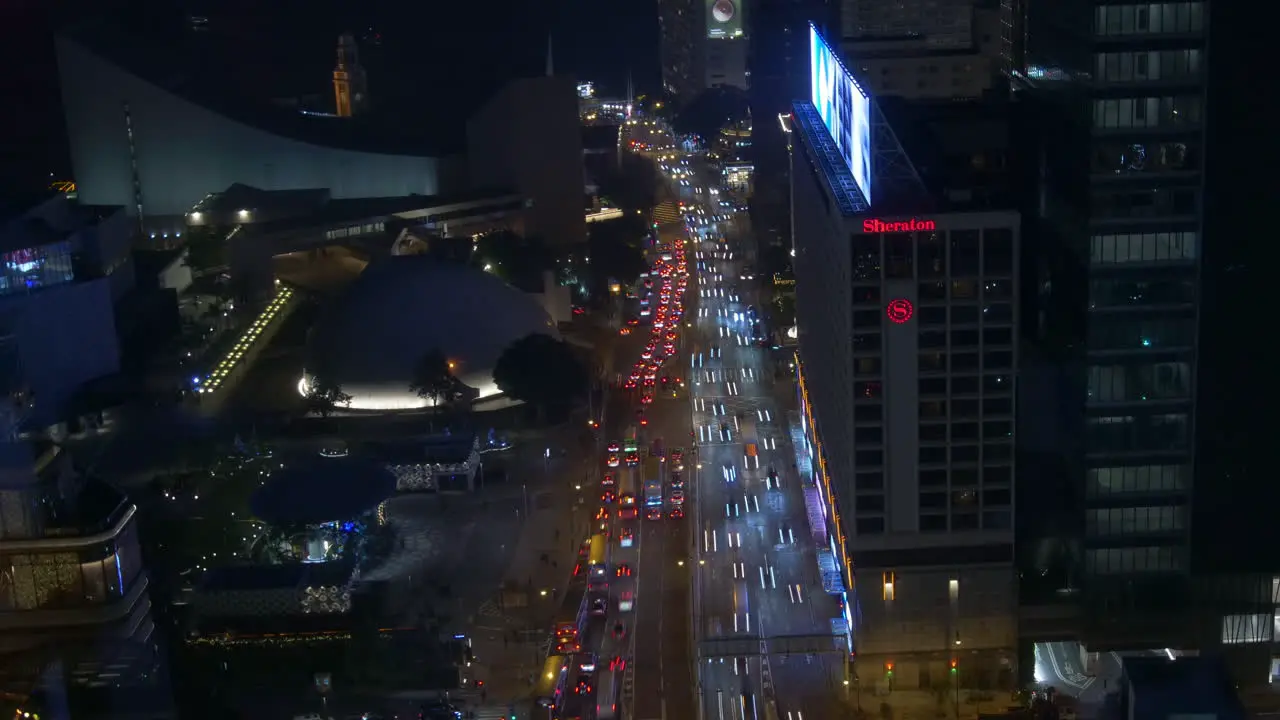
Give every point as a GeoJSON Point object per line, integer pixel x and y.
{"type": "Point", "coordinates": [746, 645]}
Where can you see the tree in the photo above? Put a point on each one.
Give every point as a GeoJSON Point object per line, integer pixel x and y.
{"type": "Point", "coordinates": [543, 372]}
{"type": "Point", "coordinates": [324, 395]}
{"type": "Point", "coordinates": [433, 380]}
{"type": "Point", "coordinates": [206, 248]}
{"type": "Point", "coordinates": [615, 249]}
{"type": "Point", "coordinates": [633, 185]}
{"type": "Point", "coordinates": [515, 258]}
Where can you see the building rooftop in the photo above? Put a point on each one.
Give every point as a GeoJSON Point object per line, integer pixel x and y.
{"type": "Point", "coordinates": [302, 209]}
{"type": "Point", "coordinates": [50, 218]}
{"type": "Point", "coordinates": [1188, 686]}
{"type": "Point", "coordinates": [312, 489]}
{"type": "Point", "coordinates": [438, 449]}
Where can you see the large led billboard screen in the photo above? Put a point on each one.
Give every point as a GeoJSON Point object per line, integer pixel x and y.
{"type": "Point", "coordinates": [844, 109]}
{"type": "Point", "coordinates": [724, 19]}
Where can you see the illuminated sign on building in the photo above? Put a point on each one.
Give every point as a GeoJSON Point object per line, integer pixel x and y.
{"type": "Point", "coordinates": [876, 225]}
{"type": "Point", "coordinates": [724, 19]}
{"type": "Point", "coordinates": [899, 310]}
{"type": "Point", "coordinates": [844, 108]}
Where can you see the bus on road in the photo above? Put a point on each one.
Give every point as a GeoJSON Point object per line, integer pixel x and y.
{"type": "Point", "coordinates": [750, 449]}
{"type": "Point", "coordinates": [653, 482]}
{"type": "Point", "coordinates": [598, 558]}
{"type": "Point", "coordinates": [627, 503]}
{"type": "Point", "coordinates": [629, 442]}
{"type": "Point", "coordinates": [550, 685]}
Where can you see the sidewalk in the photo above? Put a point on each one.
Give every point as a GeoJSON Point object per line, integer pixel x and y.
{"type": "Point", "coordinates": [510, 630]}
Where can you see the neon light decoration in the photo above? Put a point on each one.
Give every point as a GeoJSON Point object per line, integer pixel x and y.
{"type": "Point", "coordinates": [876, 225]}
{"type": "Point", "coordinates": [899, 310]}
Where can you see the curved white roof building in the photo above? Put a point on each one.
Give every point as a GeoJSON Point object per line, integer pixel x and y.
{"type": "Point", "coordinates": [401, 308]}
{"type": "Point", "coordinates": [181, 141]}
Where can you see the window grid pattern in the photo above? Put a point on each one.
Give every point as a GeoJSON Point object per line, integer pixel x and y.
{"type": "Point", "coordinates": [1169, 112]}
{"type": "Point", "coordinates": [1134, 560]}
{"type": "Point", "coordinates": [1130, 521]}
{"type": "Point", "coordinates": [1175, 18]}
{"type": "Point", "coordinates": [1136, 480]}
{"type": "Point", "coordinates": [965, 316]}
{"type": "Point", "coordinates": [1134, 248]}
{"type": "Point", "coordinates": [1147, 66]}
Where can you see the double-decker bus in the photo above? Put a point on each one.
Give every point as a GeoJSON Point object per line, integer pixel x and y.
{"type": "Point", "coordinates": [627, 508]}
{"type": "Point", "coordinates": [629, 442]}
{"type": "Point", "coordinates": [598, 559]}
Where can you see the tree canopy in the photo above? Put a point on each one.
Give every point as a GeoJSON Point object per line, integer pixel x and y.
{"type": "Point", "coordinates": [518, 259]}
{"type": "Point", "coordinates": [324, 395]}
{"type": "Point", "coordinates": [633, 185]}
{"type": "Point", "coordinates": [714, 109]}
{"type": "Point", "coordinates": [433, 379]}
{"type": "Point", "coordinates": [616, 250]}
{"type": "Point", "coordinates": [543, 372]}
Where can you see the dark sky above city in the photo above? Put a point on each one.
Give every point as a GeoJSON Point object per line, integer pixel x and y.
{"type": "Point", "coordinates": [426, 57]}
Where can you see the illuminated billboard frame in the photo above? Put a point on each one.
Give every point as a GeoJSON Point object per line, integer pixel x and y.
{"type": "Point", "coordinates": [724, 19]}
{"type": "Point", "coordinates": [844, 108]}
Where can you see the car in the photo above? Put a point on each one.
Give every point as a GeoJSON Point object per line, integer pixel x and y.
{"type": "Point", "coordinates": [613, 447]}
{"type": "Point", "coordinates": [612, 461]}
{"type": "Point", "coordinates": [646, 399]}
{"type": "Point", "coordinates": [675, 513]}
{"type": "Point", "coordinates": [629, 385]}
{"type": "Point", "coordinates": [624, 570]}
{"type": "Point", "coordinates": [608, 480]}
{"type": "Point", "coordinates": [677, 497]}
{"type": "Point", "coordinates": [607, 496]}
{"type": "Point", "coordinates": [677, 481]}
{"type": "Point", "coordinates": [646, 354]}
{"type": "Point", "coordinates": [771, 480]}
{"type": "Point", "coordinates": [599, 607]}
{"type": "Point", "coordinates": [633, 459]}
{"type": "Point", "coordinates": [626, 537]}
{"type": "Point", "coordinates": [626, 602]}
{"type": "Point", "coordinates": [624, 330]}
{"type": "Point", "coordinates": [602, 513]}
{"type": "Point", "coordinates": [653, 513]}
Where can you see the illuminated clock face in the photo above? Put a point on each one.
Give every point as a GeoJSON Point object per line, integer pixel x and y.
{"type": "Point", "coordinates": [723, 11]}
{"type": "Point", "coordinates": [899, 310]}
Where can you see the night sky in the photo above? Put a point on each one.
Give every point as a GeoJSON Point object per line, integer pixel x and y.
{"type": "Point", "coordinates": [428, 58]}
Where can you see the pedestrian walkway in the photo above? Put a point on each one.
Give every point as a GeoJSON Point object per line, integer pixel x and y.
{"type": "Point", "coordinates": [510, 631]}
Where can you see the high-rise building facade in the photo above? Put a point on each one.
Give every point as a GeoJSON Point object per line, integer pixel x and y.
{"type": "Point", "coordinates": [1119, 93]}
{"type": "Point", "coordinates": [931, 49]}
{"type": "Point", "coordinates": [680, 48]}
{"type": "Point", "coordinates": [906, 309]}
{"type": "Point", "coordinates": [1123, 89]}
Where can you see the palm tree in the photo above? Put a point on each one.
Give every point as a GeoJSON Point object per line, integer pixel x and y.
{"type": "Point", "coordinates": [433, 381]}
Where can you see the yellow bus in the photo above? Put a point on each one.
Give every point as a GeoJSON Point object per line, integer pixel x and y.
{"type": "Point", "coordinates": [550, 685]}
{"type": "Point", "coordinates": [598, 559]}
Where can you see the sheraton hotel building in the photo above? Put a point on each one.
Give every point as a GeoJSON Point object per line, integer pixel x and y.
{"type": "Point", "coordinates": [906, 312]}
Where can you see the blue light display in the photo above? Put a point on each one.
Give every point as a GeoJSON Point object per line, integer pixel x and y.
{"type": "Point", "coordinates": [844, 108]}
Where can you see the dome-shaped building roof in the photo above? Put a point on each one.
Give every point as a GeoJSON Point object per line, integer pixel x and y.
{"type": "Point", "coordinates": [403, 307]}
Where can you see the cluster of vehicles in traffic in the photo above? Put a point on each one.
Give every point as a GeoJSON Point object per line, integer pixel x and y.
{"type": "Point", "coordinates": [662, 304]}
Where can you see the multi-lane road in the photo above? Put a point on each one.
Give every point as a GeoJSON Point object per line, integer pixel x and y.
{"type": "Point", "coordinates": [731, 620]}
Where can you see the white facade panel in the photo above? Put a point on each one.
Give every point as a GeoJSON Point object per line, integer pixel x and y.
{"type": "Point", "coordinates": [185, 151]}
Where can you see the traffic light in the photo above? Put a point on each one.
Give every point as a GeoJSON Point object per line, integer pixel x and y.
{"type": "Point", "coordinates": [953, 665]}
{"type": "Point", "coordinates": [888, 669]}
